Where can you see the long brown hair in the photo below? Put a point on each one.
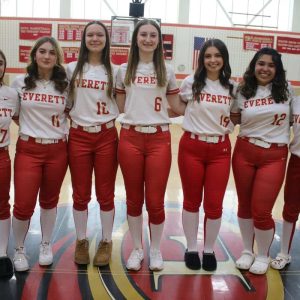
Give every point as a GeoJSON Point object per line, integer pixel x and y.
{"type": "Point", "coordinates": [59, 76]}
{"type": "Point", "coordinates": [84, 58]}
{"type": "Point", "coordinates": [134, 57]}
{"type": "Point", "coordinates": [5, 62]}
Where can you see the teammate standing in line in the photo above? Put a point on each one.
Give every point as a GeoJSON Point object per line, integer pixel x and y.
{"type": "Point", "coordinates": [93, 139]}
{"type": "Point", "coordinates": [260, 154]}
{"type": "Point", "coordinates": [204, 150]}
{"type": "Point", "coordinates": [291, 207]}
{"type": "Point", "coordinates": [41, 152]}
{"type": "Point", "coordinates": [144, 87]}
{"type": "Point", "coordinates": [8, 105]}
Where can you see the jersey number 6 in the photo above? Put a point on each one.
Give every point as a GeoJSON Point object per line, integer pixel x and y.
{"type": "Point", "coordinates": [157, 104]}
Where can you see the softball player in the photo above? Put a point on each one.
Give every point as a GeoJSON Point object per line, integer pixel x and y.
{"type": "Point", "coordinates": [8, 105]}
{"type": "Point", "coordinates": [41, 151]}
{"type": "Point", "coordinates": [144, 87]}
{"type": "Point", "coordinates": [260, 154]}
{"type": "Point", "coordinates": [205, 150]}
{"type": "Point", "coordinates": [93, 139]}
{"type": "Point", "coordinates": [291, 194]}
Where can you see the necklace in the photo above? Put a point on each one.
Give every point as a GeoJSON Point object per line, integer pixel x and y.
{"type": "Point", "coordinates": [45, 82]}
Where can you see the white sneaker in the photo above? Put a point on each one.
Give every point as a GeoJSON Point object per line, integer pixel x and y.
{"type": "Point", "coordinates": [20, 260]}
{"type": "Point", "coordinates": [156, 261]}
{"type": "Point", "coordinates": [135, 259]}
{"type": "Point", "coordinates": [46, 256]}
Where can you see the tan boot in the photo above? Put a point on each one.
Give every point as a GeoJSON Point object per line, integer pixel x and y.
{"type": "Point", "coordinates": [103, 254]}
{"type": "Point", "coordinates": [82, 252]}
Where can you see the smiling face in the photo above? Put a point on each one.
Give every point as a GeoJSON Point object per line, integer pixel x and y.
{"type": "Point", "coordinates": [46, 57]}
{"type": "Point", "coordinates": [213, 62]}
{"type": "Point", "coordinates": [147, 38]}
{"type": "Point", "coordinates": [95, 38]}
{"type": "Point", "coordinates": [265, 70]}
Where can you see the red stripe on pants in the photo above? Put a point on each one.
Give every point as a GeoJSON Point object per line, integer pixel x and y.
{"type": "Point", "coordinates": [38, 169]}
{"type": "Point", "coordinates": [5, 174]}
{"type": "Point", "coordinates": [291, 207]}
{"type": "Point", "coordinates": [258, 174]}
{"type": "Point", "coordinates": [145, 161]}
{"type": "Point", "coordinates": [205, 166]}
{"type": "Point", "coordinates": [96, 152]}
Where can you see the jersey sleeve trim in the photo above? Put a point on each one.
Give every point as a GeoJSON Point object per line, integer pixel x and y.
{"type": "Point", "coordinates": [120, 91]}
{"type": "Point", "coordinates": [173, 92]}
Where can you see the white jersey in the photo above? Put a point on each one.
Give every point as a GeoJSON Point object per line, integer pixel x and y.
{"type": "Point", "coordinates": [91, 104]}
{"type": "Point", "coordinates": [8, 105]}
{"type": "Point", "coordinates": [146, 103]}
{"type": "Point", "coordinates": [295, 144]}
{"type": "Point", "coordinates": [42, 110]}
{"type": "Point", "coordinates": [263, 118]}
{"type": "Point", "coordinates": [211, 114]}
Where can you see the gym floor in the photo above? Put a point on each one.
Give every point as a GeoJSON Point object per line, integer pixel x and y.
{"type": "Point", "coordinates": [64, 280]}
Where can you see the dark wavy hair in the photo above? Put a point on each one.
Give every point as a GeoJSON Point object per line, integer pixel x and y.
{"type": "Point", "coordinates": [59, 76]}
{"type": "Point", "coordinates": [249, 84]}
{"type": "Point", "coordinates": [201, 73]}
{"type": "Point", "coordinates": [158, 57]}
{"type": "Point", "coordinates": [83, 58]}
{"type": "Point", "coordinates": [5, 62]}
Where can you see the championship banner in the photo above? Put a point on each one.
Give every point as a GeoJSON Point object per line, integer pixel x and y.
{"type": "Point", "coordinates": [288, 45]}
{"type": "Point", "coordinates": [256, 42]}
{"type": "Point", "coordinates": [69, 32]}
{"type": "Point", "coordinates": [168, 46]}
{"type": "Point", "coordinates": [119, 55]}
{"type": "Point", "coordinates": [33, 31]}
{"type": "Point", "coordinates": [24, 54]}
{"type": "Point", "coordinates": [70, 54]}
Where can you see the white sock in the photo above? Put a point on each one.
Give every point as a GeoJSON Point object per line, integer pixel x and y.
{"type": "Point", "coordinates": [80, 220]}
{"type": "Point", "coordinates": [287, 236]}
{"type": "Point", "coordinates": [156, 234]}
{"type": "Point", "coordinates": [4, 234]}
{"type": "Point", "coordinates": [48, 218]}
{"type": "Point", "coordinates": [212, 228]}
{"type": "Point", "coordinates": [135, 225]}
{"type": "Point", "coordinates": [190, 224]}
{"type": "Point", "coordinates": [247, 232]}
{"type": "Point", "coordinates": [264, 240]}
{"type": "Point", "coordinates": [107, 222]}
{"type": "Point", "coordinates": [20, 229]}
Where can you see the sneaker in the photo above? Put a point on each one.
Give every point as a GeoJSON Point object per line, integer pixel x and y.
{"type": "Point", "coordinates": [20, 260]}
{"type": "Point", "coordinates": [46, 256]}
{"type": "Point", "coordinates": [82, 256]}
{"type": "Point", "coordinates": [103, 254]}
{"type": "Point", "coordinates": [192, 260]}
{"type": "Point", "coordinates": [6, 268]}
{"type": "Point", "coordinates": [135, 259]}
{"type": "Point", "coordinates": [209, 262]}
{"type": "Point", "coordinates": [156, 261]}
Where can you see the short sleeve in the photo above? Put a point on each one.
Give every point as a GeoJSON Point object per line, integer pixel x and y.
{"type": "Point", "coordinates": [120, 75]}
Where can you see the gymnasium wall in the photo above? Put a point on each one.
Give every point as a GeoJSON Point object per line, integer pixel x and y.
{"type": "Point", "coordinates": [183, 45]}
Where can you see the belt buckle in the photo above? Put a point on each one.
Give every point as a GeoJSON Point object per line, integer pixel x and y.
{"type": "Point", "coordinates": [92, 129]}
{"type": "Point", "coordinates": [260, 143]}
{"type": "Point", "coordinates": [212, 139]}
{"type": "Point", "coordinates": [145, 129]}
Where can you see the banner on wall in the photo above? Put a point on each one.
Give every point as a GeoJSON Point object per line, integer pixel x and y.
{"type": "Point", "coordinates": [69, 32]}
{"type": "Point", "coordinates": [70, 54]}
{"type": "Point", "coordinates": [33, 31]}
{"type": "Point", "coordinates": [24, 53]}
{"type": "Point", "coordinates": [256, 42]}
{"type": "Point", "coordinates": [168, 46]}
{"type": "Point", "coordinates": [119, 55]}
{"type": "Point", "coordinates": [288, 45]}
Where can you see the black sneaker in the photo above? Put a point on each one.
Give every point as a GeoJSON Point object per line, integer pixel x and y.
{"type": "Point", "coordinates": [6, 268]}
{"type": "Point", "coordinates": [192, 260]}
{"type": "Point", "coordinates": [209, 262]}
